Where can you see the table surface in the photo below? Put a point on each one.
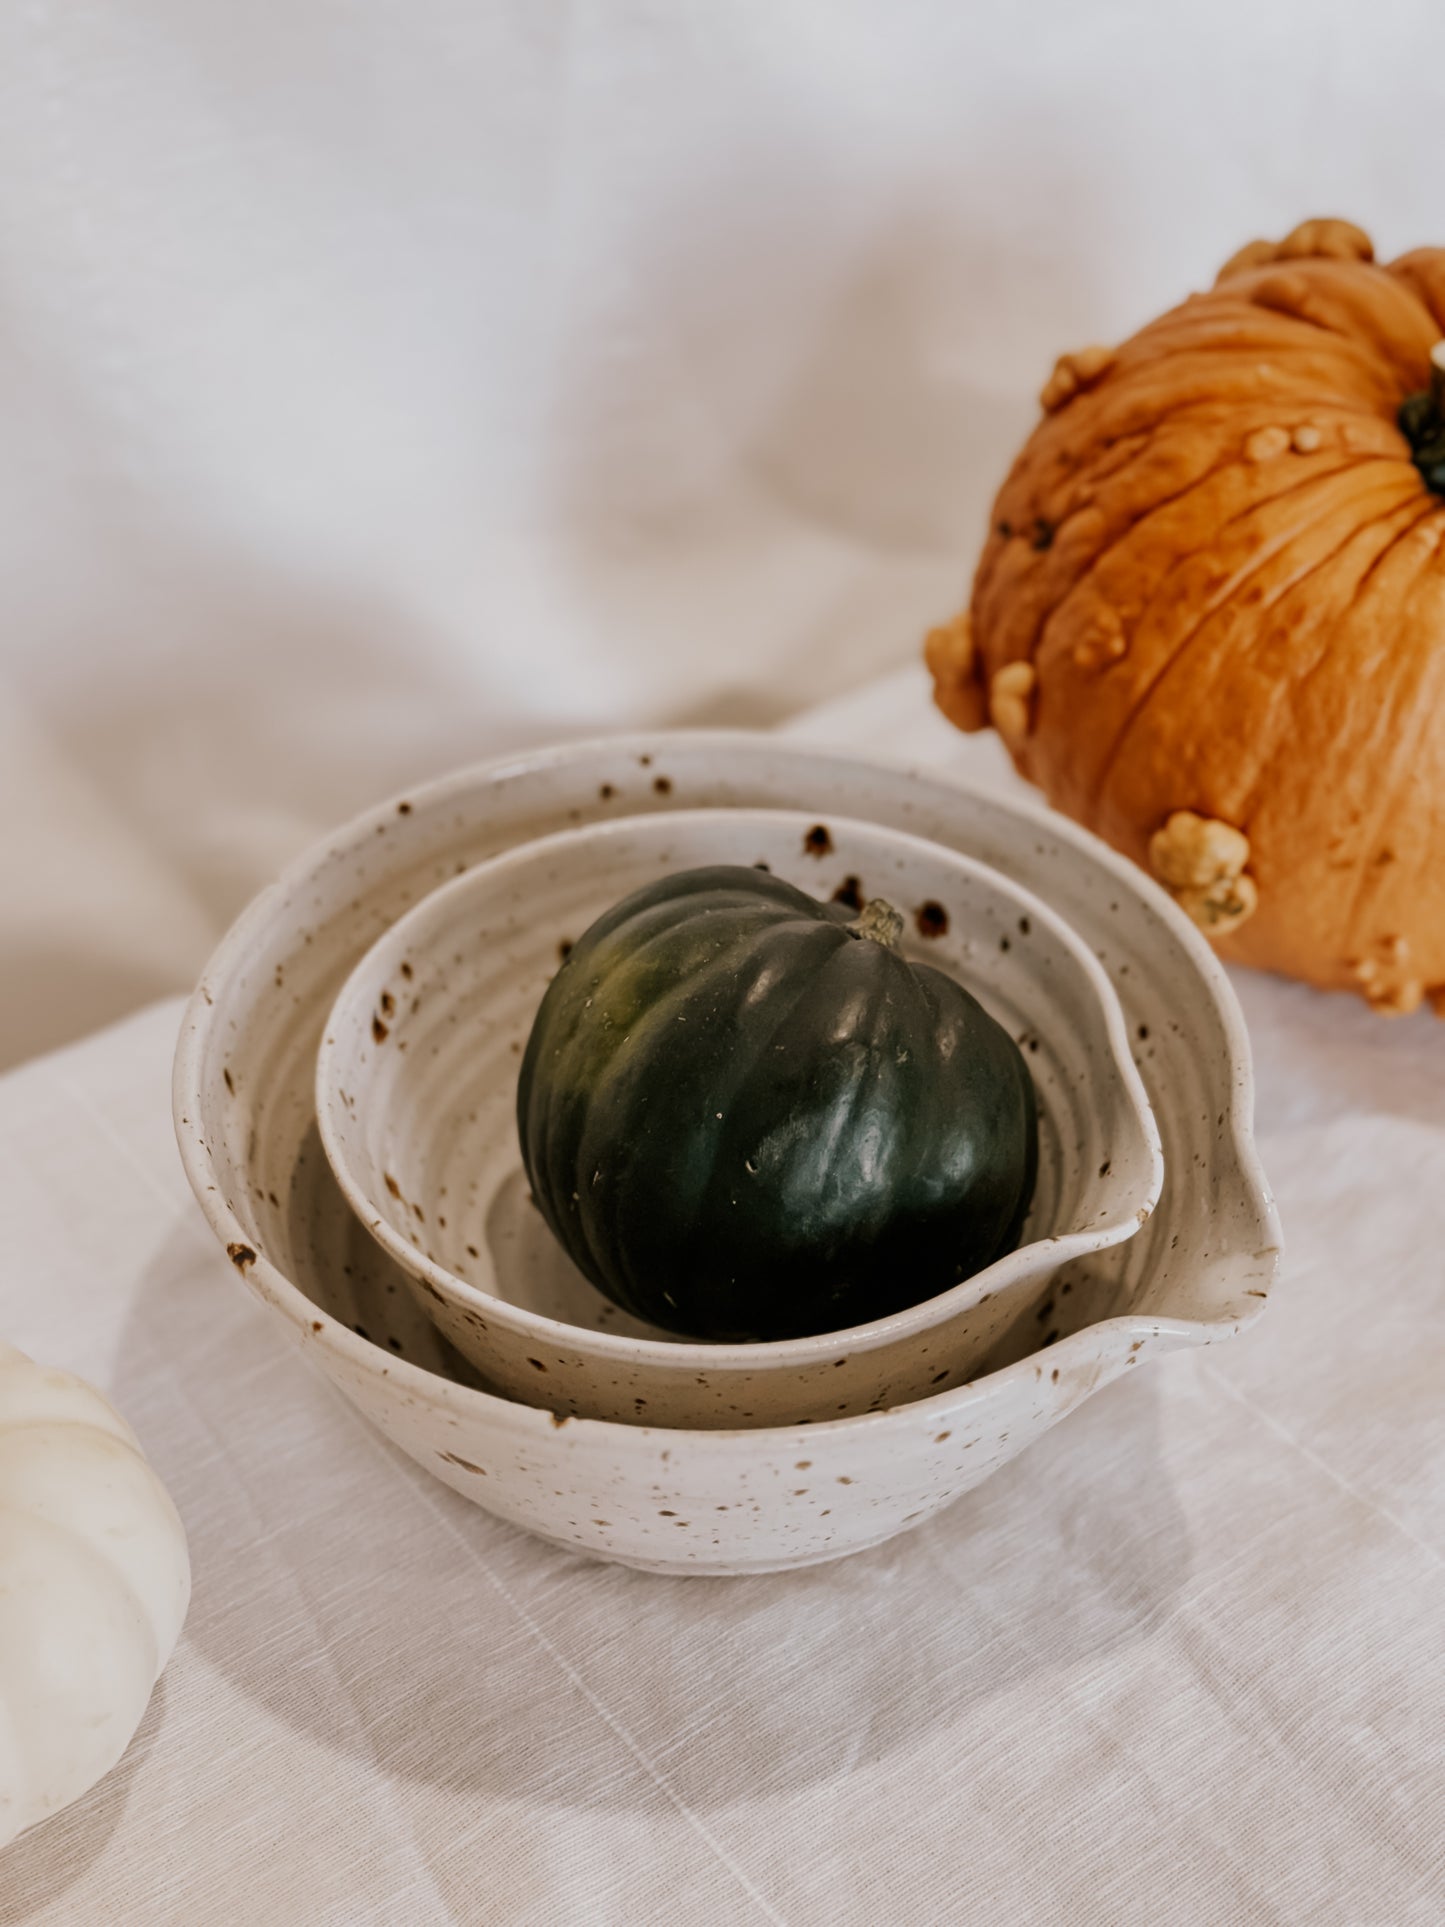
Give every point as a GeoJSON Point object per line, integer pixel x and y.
{"type": "Point", "coordinates": [1181, 1662]}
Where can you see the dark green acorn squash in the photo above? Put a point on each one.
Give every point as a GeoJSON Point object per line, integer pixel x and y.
{"type": "Point", "coordinates": [746, 1116]}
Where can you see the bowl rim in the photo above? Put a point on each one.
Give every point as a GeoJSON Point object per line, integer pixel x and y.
{"type": "Point", "coordinates": [815, 1349]}
{"type": "Point", "coordinates": [202, 1018]}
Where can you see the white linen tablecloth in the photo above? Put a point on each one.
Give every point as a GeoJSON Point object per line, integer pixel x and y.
{"type": "Point", "coordinates": [1180, 1663]}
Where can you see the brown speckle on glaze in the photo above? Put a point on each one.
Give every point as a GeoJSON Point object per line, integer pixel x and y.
{"type": "Point", "coordinates": [403, 809]}
{"type": "Point", "coordinates": [850, 893]}
{"type": "Point", "coordinates": [379, 1030]}
{"type": "Point", "coordinates": [406, 971]}
{"type": "Point", "coordinates": [230, 1081]}
{"type": "Point", "coordinates": [663, 785]}
{"type": "Point", "coordinates": [536, 1364]}
{"type": "Point", "coordinates": [454, 1458]}
{"type": "Point", "coordinates": [931, 919]}
{"type": "Point", "coordinates": [388, 1003]}
{"type": "Point", "coordinates": [391, 1184]}
{"type": "Point", "coordinates": [818, 841]}
{"type": "Point", "coordinates": [241, 1256]}
{"type": "Point", "coordinates": [564, 951]}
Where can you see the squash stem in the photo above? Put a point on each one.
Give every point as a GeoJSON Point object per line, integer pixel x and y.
{"type": "Point", "coordinates": [879, 922]}
{"type": "Point", "coordinates": [1422, 420]}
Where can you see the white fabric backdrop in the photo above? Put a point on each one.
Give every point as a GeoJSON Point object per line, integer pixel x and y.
{"type": "Point", "coordinates": [384, 383]}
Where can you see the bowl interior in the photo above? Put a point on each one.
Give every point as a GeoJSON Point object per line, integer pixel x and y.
{"type": "Point", "coordinates": [417, 1073]}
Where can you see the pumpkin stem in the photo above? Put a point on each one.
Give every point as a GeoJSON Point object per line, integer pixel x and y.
{"type": "Point", "coordinates": [1422, 422]}
{"type": "Point", "coordinates": [878, 921]}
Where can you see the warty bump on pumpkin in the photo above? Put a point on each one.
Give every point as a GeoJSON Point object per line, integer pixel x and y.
{"type": "Point", "coordinates": [1209, 615]}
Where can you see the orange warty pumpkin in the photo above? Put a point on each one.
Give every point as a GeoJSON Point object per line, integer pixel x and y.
{"type": "Point", "coordinates": [1209, 617]}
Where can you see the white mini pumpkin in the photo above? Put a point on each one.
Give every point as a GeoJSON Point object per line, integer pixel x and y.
{"type": "Point", "coordinates": [94, 1585]}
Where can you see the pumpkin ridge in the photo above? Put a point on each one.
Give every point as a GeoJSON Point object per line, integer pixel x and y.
{"type": "Point", "coordinates": [1041, 645]}
{"type": "Point", "coordinates": [571, 1079]}
{"type": "Point", "coordinates": [1219, 365]}
{"type": "Point", "coordinates": [36, 1419]}
{"type": "Point", "coordinates": [593, 1227]}
{"type": "Point", "coordinates": [130, 1479]}
{"type": "Point", "coordinates": [91, 1553]}
{"type": "Point", "coordinates": [1230, 778]}
{"type": "Point", "coordinates": [1336, 620]}
{"type": "Point", "coordinates": [843, 1124]}
{"type": "Point", "coordinates": [1185, 639]}
{"type": "Point", "coordinates": [1226, 464]}
{"type": "Point", "coordinates": [1423, 717]}
{"type": "Point", "coordinates": [933, 986]}
{"type": "Point", "coordinates": [1224, 633]}
{"type": "Point", "coordinates": [605, 1233]}
{"type": "Point", "coordinates": [1213, 365]}
{"type": "Point", "coordinates": [725, 880]}
{"type": "Point", "coordinates": [1337, 305]}
{"type": "Point", "coordinates": [1349, 885]}
{"type": "Point", "coordinates": [1239, 339]}
{"type": "Point", "coordinates": [1004, 647]}
{"type": "Point", "coordinates": [1422, 271]}
{"type": "Point", "coordinates": [668, 915]}
{"type": "Point", "coordinates": [999, 634]}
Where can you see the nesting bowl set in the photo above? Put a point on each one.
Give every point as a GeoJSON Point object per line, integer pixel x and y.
{"type": "Point", "coordinates": [345, 1089]}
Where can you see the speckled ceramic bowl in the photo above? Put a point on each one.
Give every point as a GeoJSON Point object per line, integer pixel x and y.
{"type": "Point", "coordinates": [416, 1099]}
{"type": "Point", "coordinates": [706, 1501]}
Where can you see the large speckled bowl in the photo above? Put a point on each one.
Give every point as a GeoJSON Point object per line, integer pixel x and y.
{"type": "Point", "coordinates": [706, 1501]}
{"type": "Point", "coordinates": [416, 1099]}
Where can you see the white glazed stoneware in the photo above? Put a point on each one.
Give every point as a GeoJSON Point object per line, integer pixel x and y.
{"type": "Point", "coordinates": [416, 1096]}
{"type": "Point", "coordinates": [706, 1501]}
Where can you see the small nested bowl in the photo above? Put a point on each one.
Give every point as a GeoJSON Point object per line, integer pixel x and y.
{"type": "Point", "coordinates": [416, 1092]}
